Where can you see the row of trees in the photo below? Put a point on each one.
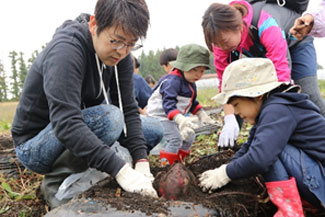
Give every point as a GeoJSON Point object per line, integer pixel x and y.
{"type": "Point", "coordinates": [149, 64]}
{"type": "Point", "coordinates": [12, 85]}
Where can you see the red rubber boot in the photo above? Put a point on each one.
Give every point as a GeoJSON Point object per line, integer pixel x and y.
{"type": "Point", "coordinates": [167, 158]}
{"type": "Point", "coordinates": [182, 154]}
{"type": "Point", "coordinates": [285, 195]}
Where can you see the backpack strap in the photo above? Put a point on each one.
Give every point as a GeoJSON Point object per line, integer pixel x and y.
{"type": "Point", "coordinates": [257, 7]}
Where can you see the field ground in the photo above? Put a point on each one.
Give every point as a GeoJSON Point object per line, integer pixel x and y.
{"type": "Point", "coordinates": [19, 196]}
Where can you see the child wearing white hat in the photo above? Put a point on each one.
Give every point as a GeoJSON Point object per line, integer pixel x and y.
{"type": "Point", "coordinates": [286, 143]}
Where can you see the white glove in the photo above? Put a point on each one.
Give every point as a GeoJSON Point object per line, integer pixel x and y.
{"type": "Point", "coordinates": [204, 117]}
{"type": "Point", "coordinates": [214, 179]}
{"type": "Point", "coordinates": [186, 125]}
{"type": "Point", "coordinates": [133, 181]}
{"type": "Point", "coordinates": [143, 167]}
{"type": "Point", "coordinates": [229, 131]}
{"type": "Point", "coordinates": [187, 133]}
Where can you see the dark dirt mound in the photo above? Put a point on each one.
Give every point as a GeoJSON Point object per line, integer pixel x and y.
{"type": "Point", "coordinates": [23, 197]}
{"type": "Point", "coordinates": [178, 181]}
{"type": "Point", "coordinates": [245, 197]}
{"type": "Point", "coordinates": [8, 159]}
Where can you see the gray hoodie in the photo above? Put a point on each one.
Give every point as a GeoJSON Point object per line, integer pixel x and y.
{"type": "Point", "coordinates": [61, 82]}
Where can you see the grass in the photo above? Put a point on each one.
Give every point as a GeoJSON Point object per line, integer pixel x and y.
{"type": "Point", "coordinates": [322, 88]}
{"type": "Point", "coordinates": [7, 112]}
{"type": "Point", "coordinates": [204, 96]}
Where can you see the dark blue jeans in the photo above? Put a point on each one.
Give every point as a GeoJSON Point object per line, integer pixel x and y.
{"type": "Point", "coordinates": [309, 174]}
{"type": "Point", "coordinates": [106, 121]}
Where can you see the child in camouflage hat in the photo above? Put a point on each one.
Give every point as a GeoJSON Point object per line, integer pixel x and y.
{"type": "Point", "coordinates": [174, 98]}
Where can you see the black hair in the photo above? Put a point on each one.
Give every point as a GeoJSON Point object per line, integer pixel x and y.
{"type": "Point", "coordinates": [168, 55]}
{"type": "Point", "coordinates": [131, 15]}
{"type": "Point", "coordinates": [219, 17]}
{"type": "Point", "coordinates": [136, 63]}
{"type": "Point", "coordinates": [149, 79]}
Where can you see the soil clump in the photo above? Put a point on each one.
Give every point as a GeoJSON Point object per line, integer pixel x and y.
{"type": "Point", "coordinates": [244, 197]}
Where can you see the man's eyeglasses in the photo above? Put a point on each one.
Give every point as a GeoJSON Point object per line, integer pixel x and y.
{"type": "Point", "coordinates": [116, 44]}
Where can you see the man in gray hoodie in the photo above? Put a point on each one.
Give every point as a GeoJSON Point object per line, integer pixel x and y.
{"type": "Point", "coordinates": [62, 126]}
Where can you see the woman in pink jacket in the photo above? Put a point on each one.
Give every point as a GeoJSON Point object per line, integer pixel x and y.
{"type": "Point", "coordinates": [259, 30]}
{"type": "Point", "coordinates": [312, 22]}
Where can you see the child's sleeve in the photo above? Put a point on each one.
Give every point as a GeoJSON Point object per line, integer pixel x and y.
{"type": "Point", "coordinates": [196, 106]}
{"type": "Point", "coordinates": [169, 91]}
{"type": "Point", "coordinates": [272, 134]}
{"type": "Point", "coordinates": [244, 147]}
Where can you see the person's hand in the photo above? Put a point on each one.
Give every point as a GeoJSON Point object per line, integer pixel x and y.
{"type": "Point", "coordinates": [302, 26]}
{"type": "Point", "coordinates": [230, 132]}
{"type": "Point", "coordinates": [187, 133]}
{"type": "Point", "coordinates": [186, 125]}
{"type": "Point", "coordinates": [204, 117]}
{"type": "Point", "coordinates": [143, 167]}
{"type": "Point", "coordinates": [214, 179]}
{"type": "Point", "coordinates": [182, 121]}
{"type": "Point", "coordinates": [134, 181]}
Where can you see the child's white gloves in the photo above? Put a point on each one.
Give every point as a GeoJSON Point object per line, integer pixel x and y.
{"type": "Point", "coordinates": [134, 181]}
{"type": "Point", "coordinates": [186, 125]}
{"type": "Point", "coordinates": [230, 131]}
{"type": "Point", "coordinates": [204, 117]}
{"type": "Point", "coordinates": [143, 167]}
{"type": "Point", "coordinates": [214, 179]}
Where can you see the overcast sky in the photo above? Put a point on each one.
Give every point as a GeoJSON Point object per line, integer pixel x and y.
{"type": "Point", "coordinates": [27, 25]}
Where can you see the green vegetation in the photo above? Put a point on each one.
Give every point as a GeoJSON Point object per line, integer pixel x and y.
{"type": "Point", "coordinates": [204, 97]}
{"type": "Point", "coordinates": [7, 112]}
{"type": "Point", "coordinates": [322, 88]}
{"type": "Point", "coordinates": [149, 64]}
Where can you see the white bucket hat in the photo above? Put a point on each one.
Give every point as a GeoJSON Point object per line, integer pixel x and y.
{"type": "Point", "coordinates": [247, 77]}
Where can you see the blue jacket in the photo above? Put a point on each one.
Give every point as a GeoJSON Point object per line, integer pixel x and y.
{"type": "Point", "coordinates": [173, 95]}
{"type": "Point", "coordinates": [142, 90]}
{"type": "Point", "coordinates": [285, 118]}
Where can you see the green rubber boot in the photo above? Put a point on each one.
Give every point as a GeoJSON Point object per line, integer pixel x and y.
{"type": "Point", "coordinates": [65, 165]}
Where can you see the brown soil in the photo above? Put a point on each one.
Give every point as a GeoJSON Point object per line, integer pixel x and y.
{"type": "Point", "coordinates": [21, 181]}
{"type": "Point", "coordinates": [245, 197]}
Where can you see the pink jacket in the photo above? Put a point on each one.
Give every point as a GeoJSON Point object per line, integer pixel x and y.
{"type": "Point", "coordinates": [270, 36]}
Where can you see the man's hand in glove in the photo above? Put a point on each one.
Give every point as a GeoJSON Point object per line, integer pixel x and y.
{"type": "Point", "coordinates": [214, 179]}
{"type": "Point", "coordinates": [136, 182]}
{"type": "Point", "coordinates": [186, 125]}
{"type": "Point", "coordinates": [229, 131]}
{"type": "Point", "coordinates": [143, 167]}
{"type": "Point", "coordinates": [204, 117]}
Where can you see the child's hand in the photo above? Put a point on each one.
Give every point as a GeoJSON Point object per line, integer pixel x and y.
{"type": "Point", "coordinates": [204, 117]}
{"type": "Point", "coordinates": [230, 132]}
{"type": "Point", "coordinates": [186, 125]}
{"type": "Point", "coordinates": [182, 121]}
{"type": "Point", "coordinates": [214, 179]}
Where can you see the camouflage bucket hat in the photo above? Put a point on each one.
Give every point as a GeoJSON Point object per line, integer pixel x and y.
{"type": "Point", "coordinates": [191, 56]}
{"type": "Point", "coordinates": [248, 77]}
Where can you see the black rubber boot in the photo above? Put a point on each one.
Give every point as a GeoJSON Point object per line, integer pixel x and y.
{"type": "Point", "coordinates": [65, 165]}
